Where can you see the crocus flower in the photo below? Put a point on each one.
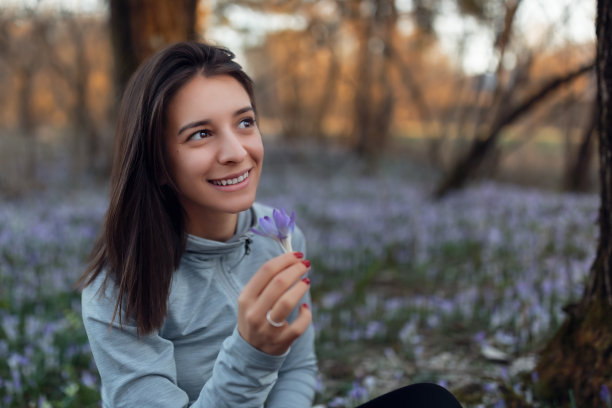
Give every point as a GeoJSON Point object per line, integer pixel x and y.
{"type": "Point", "coordinates": [279, 228]}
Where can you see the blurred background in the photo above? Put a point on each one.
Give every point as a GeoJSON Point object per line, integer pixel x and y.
{"type": "Point", "coordinates": [419, 79]}
{"type": "Point", "coordinates": [441, 156]}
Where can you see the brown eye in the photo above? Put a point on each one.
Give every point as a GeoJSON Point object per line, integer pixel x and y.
{"type": "Point", "coordinates": [200, 134]}
{"type": "Point", "coordinates": [246, 123]}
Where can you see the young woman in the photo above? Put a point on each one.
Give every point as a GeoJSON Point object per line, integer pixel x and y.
{"type": "Point", "coordinates": [182, 304]}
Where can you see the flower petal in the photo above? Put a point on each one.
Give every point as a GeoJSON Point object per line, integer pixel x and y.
{"type": "Point", "coordinates": [279, 227]}
{"type": "Point", "coordinates": [284, 223]}
{"type": "Point", "coordinates": [266, 227]}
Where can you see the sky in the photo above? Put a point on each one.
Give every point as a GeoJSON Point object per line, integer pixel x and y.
{"type": "Point", "coordinates": [573, 22]}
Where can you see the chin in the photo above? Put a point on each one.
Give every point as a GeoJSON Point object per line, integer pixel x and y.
{"type": "Point", "coordinates": [239, 206]}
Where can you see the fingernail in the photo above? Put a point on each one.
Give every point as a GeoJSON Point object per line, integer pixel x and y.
{"type": "Point", "coordinates": [305, 306]}
{"type": "Point", "coordinates": [306, 262]}
{"type": "Point", "coordinates": [298, 255]}
{"type": "Point", "coordinates": [306, 281]}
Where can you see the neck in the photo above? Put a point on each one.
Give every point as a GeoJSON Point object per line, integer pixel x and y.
{"type": "Point", "coordinates": [217, 227]}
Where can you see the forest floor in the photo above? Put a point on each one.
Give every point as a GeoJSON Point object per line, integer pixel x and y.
{"type": "Point", "coordinates": [462, 292]}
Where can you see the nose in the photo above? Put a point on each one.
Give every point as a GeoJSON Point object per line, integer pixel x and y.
{"type": "Point", "coordinates": [231, 149]}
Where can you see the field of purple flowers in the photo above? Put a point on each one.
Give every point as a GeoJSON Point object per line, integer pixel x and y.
{"type": "Point", "coordinates": [460, 292]}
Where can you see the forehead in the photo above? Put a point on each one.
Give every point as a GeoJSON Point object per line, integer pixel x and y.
{"type": "Point", "coordinates": [204, 98]}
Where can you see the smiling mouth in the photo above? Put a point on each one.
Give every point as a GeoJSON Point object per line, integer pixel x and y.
{"type": "Point", "coordinates": [231, 181]}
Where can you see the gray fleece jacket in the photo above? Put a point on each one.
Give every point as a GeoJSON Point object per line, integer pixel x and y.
{"type": "Point", "coordinates": [198, 358]}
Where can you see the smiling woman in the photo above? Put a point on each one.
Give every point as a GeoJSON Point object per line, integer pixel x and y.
{"type": "Point", "coordinates": [180, 294]}
{"type": "Point", "coordinates": [187, 301]}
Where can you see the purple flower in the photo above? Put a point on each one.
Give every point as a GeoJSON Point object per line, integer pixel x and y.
{"type": "Point", "coordinates": [279, 228]}
{"type": "Point", "coordinates": [88, 379]}
{"type": "Point", "coordinates": [604, 393]}
{"type": "Point", "coordinates": [500, 404]}
{"type": "Point", "coordinates": [358, 392]}
{"type": "Point", "coordinates": [337, 403]}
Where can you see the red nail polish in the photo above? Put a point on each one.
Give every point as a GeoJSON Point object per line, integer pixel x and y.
{"type": "Point", "coordinates": [306, 262]}
{"type": "Point", "coordinates": [298, 255]}
{"type": "Point", "coordinates": [306, 281]}
{"type": "Point", "coordinates": [305, 306]}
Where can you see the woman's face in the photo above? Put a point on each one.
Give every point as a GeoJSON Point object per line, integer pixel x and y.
{"type": "Point", "coordinates": [214, 148]}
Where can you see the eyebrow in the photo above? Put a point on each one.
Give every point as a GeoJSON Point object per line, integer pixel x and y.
{"type": "Point", "coordinates": [207, 121]}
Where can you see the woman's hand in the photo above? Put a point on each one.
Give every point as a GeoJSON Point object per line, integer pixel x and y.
{"type": "Point", "coordinates": [276, 288]}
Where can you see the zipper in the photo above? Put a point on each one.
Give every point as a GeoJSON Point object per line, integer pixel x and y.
{"type": "Point", "coordinates": [227, 280]}
{"type": "Point", "coordinates": [228, 284]}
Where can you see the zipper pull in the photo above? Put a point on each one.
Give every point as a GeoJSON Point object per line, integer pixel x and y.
{"type": "Point", "coordinates": [247, 246]}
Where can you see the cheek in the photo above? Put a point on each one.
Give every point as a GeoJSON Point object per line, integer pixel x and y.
{"type": "Point", "coordinates": [189, 166]}
{"type": "Point", "coordinates": [180, 167]}
{"type": "Point", "coordinates": [193, 164]}
{"type": "Point", "coordinates": [256, 148]}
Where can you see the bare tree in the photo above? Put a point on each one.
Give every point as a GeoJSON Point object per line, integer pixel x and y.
{"type": "Point", "coordinates": [578, 358]}
{"type": "Point", "coordinates": [75, 32]}
{"type": "Point", "coordinates": [20, 53]}
{"type": "Point", "coordinates": [499, 107]}
{"type": "Point", "coordinates": [467, 165]}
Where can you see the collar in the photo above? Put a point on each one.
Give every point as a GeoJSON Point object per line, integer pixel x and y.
{"type": "Point", "coordinates": [201, 246]}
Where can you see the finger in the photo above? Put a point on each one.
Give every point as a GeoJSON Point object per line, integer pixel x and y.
{"type": "Point", "coordinates": [280, 283]}
{"type": "Point", "coordinates": [267, 271]}
{"type": "Point", "coordinates": [282, 306]}
{"type": "Point", "coordinates": [299, 325]}
{"type": "Point", "coordinates": [280, 339]}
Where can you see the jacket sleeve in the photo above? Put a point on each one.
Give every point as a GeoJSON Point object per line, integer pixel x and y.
{"type": "Point", "coordinates": [141, 370]}
{"type": "Point", "coordinates": [297, 375]}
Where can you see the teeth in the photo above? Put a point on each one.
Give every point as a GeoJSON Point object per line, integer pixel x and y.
{"type": "Point", "coordinates": [229, 182]}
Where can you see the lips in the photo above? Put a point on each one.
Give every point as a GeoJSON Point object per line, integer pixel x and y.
{"type": "Point", "coordinates": [232, 179]}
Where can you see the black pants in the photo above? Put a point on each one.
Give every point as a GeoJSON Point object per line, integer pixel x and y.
{"type": "Point", "coordinates": [423, 395]}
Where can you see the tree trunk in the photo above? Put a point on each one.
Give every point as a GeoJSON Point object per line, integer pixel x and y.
{"type": "Point", "coordinates": [374, 99]}
{"type": "Point", "coordinates": [363, 89]}
{"type": "Point", "coordinates": [408, 81]}
{"type": "Point", "coordinates": [386, 17]}
{"type": "Point", "coordinates": [25, 77]}
{"type": "Point", "coordinates": [579, 357]}
{"type": "Point", "coordinates": [468, 165]}
{"type": "Point", "coordinates": [600, 282]}
{"type": "Point", "coordinates": [577, 173]}
{"type": "Point", "coordinates": [85, 138]}
{"type": "Point", "coordinates": [85, 141]}
{"type": "Point", "coordinates": [503, 90]}
{"type": "Point", "coordinates": [141, 27]}
{"type": "Point", "coordinates": [293, 111]}
{"type": "Point", "coordinates": [327, 99]}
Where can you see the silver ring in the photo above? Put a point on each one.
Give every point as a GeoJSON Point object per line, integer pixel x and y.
{"type": "Point", "coordinates": [272, 322]}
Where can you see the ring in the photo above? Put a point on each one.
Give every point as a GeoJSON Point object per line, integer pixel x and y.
{"type": "Point", "coordinates": [272, 322]}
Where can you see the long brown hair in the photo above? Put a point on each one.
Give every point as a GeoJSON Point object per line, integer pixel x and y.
{"type": "Point", "coordinates": [143, 237]}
